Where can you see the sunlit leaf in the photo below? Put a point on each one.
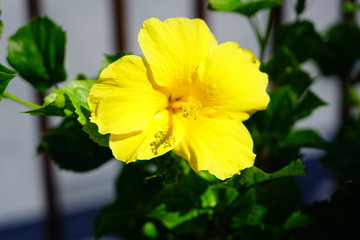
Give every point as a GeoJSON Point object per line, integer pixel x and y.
{"type": "Point", "coordinates": [224, 5]}
{"type": "Point", "coordinates": [78, 91]}
{"type": "Point", "coordinates": [247, 8]}
{"type": "Point", "coordinates": [37, 52]}
{"type": "Point", "coordinates": [69, 99]}
{"type": "Point", "coordinates": [172, 219]}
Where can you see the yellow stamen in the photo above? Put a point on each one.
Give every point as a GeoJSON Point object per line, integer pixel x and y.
{"type": "Point", "coordinates": [190, 108]}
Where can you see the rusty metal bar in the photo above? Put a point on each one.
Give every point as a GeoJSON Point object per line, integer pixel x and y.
{"type": "Point", "coordinates": [52, 220]}
{"type": "Point", "coordinates": [200, 9]}
{"type": "Point", "coordinates": [119, 18]}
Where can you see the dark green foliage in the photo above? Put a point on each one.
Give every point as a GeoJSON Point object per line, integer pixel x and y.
{"type": "Point", "coordinates": [304, 138]}
{"type": "Point", "coordinates": [343, 154]}
{"type": "Point", "coordinates": [37, 52]}
{"type": "Point", "coordinates": [300, 38]}
{"type": "Point", "coordinates": [5, 76]}
{"type": "Point", "coordinates": [334, 219]}
{"type": "Point", "coordinates": [187, 207]}
{"type": "Point", "coordinates": [71, 148]}
{"type": "Point", "coordinates": [340, 50]}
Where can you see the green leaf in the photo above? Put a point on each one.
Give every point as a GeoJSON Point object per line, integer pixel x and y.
{"type": "Point", "coordinates": [126, 216]}
{"type": "Point", "coordinates": [37, 52]}
{"type": "Point", "coordinates": [297, 220]}
{"type": "Point", "coordinates": [72, 149]}
{"type": "Point", "coordinates": [1, 26]}
{"type": "Point", "coordinates": [247, 8]}
{"type": "Point", "coordinates": [149, 230]}
{"type": "Point", "coordinates": [55, 105]}
{"type": "Point", "coordinates": [351, 7]}
{"type": "Point", "coordinates": [337, 218]}
{"type": "Point", "coordinates": [307, 104]}
{"type": "Point", "coordinates": [300, 38]}
{"type": "Point", "coordinates": [68, 100]}
{"type": "Point", "coordinates": [343, 154]}
{"type": "Point", "coordinates": [254, 175]}
{"type": "Point", "coordinates": [278, 113]}
{"type": "Point", "coordinates": [303, 138]}
{"type": "Point", "coordinates": [112, 58]}
{"type": "Point", "coordinates": [248, 211]}
{"type": "Point", "coordinates": [172, 219]}
{"type": "Point", "coordinates": [93, 131]}
{"type": "Point", "coordinates": [284, 69]}
{"type": "Point", "coordinates": [5, 76]}
{"type": "Point", "coordinates": [300, 6]}
{"type": "Point", "coordinates": [224, 5]}
{"type": "Point", "coordinates": [71, 101]}
{"type": "Point", "coordinates": [78, 92]}
{"type": "Point", "coordinates": [281, 197]}
{"type": "Point", "coordinates": [340, 49]}
{"type": "Point", "coordinates": [218, 195]}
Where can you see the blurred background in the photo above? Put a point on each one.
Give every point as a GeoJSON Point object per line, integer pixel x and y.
{"type": "Point", "coordinates": [95, 28]}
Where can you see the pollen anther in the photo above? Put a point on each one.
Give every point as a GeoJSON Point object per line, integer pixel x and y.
{"type": "Point", "coordinates": [191, 108]}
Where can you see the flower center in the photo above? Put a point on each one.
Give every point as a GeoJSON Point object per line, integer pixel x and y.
{"type": "Point", "coordinates": [190, 108]}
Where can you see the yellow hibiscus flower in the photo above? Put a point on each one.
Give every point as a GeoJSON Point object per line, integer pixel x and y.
{"type": "Point", "coordinates": [189, 94]}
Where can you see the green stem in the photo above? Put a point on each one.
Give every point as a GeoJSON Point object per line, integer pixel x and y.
{"type": "Point", "coordinates": [267, 34]}
{"type": "Point", "coordinates": [255, 27]}
{"type": "Point", "coordinates": [262, 39]}
{"type": "Point", "coordinates": [19, 100]}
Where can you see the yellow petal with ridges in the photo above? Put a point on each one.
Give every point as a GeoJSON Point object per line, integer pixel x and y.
{"type": "Point", "coordinates": [161, 135]}
{"type": "Point", "coordinates": [230, 81]}
{"type": "Point", "coordinates": [124, 100]}
{"type": "Point", "coordinates": [219, 145]}
{"type": "Point", "coordinates": [175, 48]}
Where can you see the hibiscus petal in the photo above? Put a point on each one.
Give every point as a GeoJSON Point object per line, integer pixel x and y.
{"type": "Point", "coordinates": [123, 100]}
{"type": "Point", "coordinates": [230, 81]}
{"type": "Point", "coordinates": [220, 145]}
{"type": "Point", "coordinates": [175, 48]}
{"type": "Point", "coordinates": [158, 138]}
